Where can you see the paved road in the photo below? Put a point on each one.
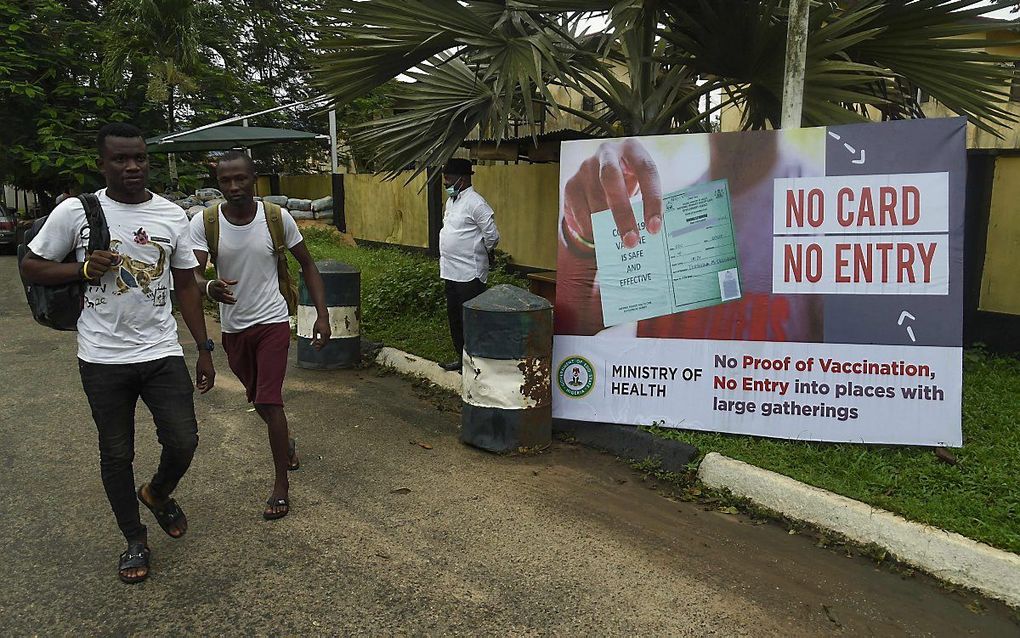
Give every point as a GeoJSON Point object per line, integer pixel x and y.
{"type": "Point", "coordinates": [388, 537]}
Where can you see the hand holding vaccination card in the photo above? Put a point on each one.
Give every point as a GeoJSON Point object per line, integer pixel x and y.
{"type": "Point", "coordinates": [691, 263]}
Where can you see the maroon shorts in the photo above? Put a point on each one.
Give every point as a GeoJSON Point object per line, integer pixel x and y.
{"type": "Point", "coordinates": [258, 356]}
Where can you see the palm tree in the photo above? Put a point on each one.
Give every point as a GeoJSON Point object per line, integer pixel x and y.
{"type": "Point", "coordinates": [162, 39]}
{"type": "Point", "coordinates": [493, 63]}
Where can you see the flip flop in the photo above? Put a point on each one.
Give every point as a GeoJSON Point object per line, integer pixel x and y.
{"type": "Point", "coordinates": [168, 515]}
{"type": "Point", "coordinates": [293, 462]}
{"type": "Point", "coordinates": [275, 502]}
{"type": "Point", "coordinates": [137, 555]}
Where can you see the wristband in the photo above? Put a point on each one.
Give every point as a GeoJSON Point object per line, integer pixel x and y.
{"type": "Point", "coordinates": [207, 284]}
{"type": "Point", "coordinates": [85, 270]}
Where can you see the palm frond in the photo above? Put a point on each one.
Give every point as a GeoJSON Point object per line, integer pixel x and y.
{"type": "Point", "coordinates": [493, 63]}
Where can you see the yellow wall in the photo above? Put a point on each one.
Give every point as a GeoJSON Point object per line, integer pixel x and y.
{"type": "Point", "coordinates": [999, 289]}
{"type": "Point", "coordinates": [387, 211]}
{"type": "Point", "coordinates": [306, 186]}
{"type": "Point", "coordinates": [525, 198]}
{"type": "Point", "coordinates": [262, 186]}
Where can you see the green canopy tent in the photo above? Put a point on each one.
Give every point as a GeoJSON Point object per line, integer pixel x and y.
{"type": "Point", "coordinates": [221, 138]}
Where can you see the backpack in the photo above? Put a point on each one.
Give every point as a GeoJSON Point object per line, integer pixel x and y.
{"type": "Point", "coordinates": [274, 219]}
{"type": "Point", "coordinates": [59, 306]}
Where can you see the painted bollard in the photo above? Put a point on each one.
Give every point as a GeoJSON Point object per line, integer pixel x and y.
{"type": "Point", "coordinates": [343, 300]}
{"type": "Point", "coordinates": [506, 387]}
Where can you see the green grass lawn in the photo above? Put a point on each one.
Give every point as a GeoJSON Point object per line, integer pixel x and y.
{"type": "Point", "coordinates": [403, 306]}
{"type": "Point", "coordinates": [402, 297]}
{"type": "Point", "coordinates": [979, 497]}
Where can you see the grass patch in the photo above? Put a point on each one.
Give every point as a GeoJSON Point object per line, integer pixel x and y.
{"type": "Point", "coordinates": [978, 497]}
{"type": "Point", "coordinates": [403, 306]}
{"type": "Point", "coordinates": [403, 303]}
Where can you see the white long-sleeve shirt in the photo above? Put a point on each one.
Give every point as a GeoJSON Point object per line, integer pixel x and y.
{"type": "Point", "coordinates": [468, 233]}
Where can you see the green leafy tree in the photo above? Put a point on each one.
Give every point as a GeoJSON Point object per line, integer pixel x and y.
{"type": "Point", "coordinates": [167, 43]}
{"type": "Point", "coordinates": [500, 64]}
{"type": "Point", "coordinates": [52, 102]}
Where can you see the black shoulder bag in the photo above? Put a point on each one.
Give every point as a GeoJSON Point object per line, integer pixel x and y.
{"type": "Point", "coordinates": [59, 306]}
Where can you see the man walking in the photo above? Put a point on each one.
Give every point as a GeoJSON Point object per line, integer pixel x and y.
{"type": "Point", "coordinates": [127, 336]}
{"type": "Point", "coordinates": [468, 234]}
{"type": "Point", "coordinates": [254, 316]}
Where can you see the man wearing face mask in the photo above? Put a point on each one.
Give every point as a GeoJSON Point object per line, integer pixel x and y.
{"type": "Point", "coordinates": [468, 234]}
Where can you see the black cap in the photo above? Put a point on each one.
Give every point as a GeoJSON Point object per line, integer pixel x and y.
{"type": "Point", "coordinates": [458, 166]}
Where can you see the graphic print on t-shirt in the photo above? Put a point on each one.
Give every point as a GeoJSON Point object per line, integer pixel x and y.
{"type": "Point", "coordinates": [139, 273]}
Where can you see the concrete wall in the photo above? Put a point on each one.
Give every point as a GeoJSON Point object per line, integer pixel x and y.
{"type": "Point", "coordinates": [386, 211]}
{"type": "Point", "coordinates": [525, 198]}
{"type": "Point", "coordinates": [999, 289]}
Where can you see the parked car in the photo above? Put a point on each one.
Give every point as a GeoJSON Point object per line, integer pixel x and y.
{"type": "Point", "coordinates": [8, 229]}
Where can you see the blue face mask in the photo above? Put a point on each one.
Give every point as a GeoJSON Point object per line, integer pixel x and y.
{"type": "Point", "coordinates": [452, 190]}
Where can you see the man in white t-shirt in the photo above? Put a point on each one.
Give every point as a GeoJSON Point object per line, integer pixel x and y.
{"type": "Point", "coordinates": [253, 312]}
{"type": "Point", "coordinates": [127, 336]}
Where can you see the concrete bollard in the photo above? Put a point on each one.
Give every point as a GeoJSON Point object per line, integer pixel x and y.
{"type": "Point", "coordinates": [506, 388]}
{"type": "Point", "coordinates": [343, 300]}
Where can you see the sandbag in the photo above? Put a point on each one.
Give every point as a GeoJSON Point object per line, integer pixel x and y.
{"type": "Point", "coordinates": [208, 194]}
{"type": "Point", "coordinates": [321, 204]}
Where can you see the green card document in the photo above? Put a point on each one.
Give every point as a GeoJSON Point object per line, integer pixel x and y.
{"type": "Point", "coordinates": [691, 263]}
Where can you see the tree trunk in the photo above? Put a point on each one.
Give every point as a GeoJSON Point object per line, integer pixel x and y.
{"type": "Point", "coordinates": [170, 123]}
{"type": "Point", "coordinates": [170, 108]}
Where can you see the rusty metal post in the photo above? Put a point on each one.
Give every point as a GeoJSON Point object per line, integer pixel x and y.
{"type": "Point", "coordinates": [506, 388]}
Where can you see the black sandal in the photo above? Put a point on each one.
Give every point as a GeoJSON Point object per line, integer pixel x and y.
{"type": "Point", "coordinates": [169, 515]}
{"type": "Point", "coordinates": [275, 502]}
{"type": "Point", "coordinates": [136, 556]}
{"type": "Point", "coordinates": [293, 462]}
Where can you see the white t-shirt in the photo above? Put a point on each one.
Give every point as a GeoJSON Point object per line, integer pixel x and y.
{"type": "Point", "coordinates": [127, 317]}
{"type": "Point", "coordinates": [245, 253]}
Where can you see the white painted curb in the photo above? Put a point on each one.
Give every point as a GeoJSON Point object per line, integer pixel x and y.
{"type": "Point", "coordinates": [946, 555]}
{"type": "Point", "coordinates": [414, 365]}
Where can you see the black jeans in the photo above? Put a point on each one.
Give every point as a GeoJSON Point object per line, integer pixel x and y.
{"type": "Point", "coordinates": [113, 391]}
{"type": "Point", "coordinates": [458, 292]}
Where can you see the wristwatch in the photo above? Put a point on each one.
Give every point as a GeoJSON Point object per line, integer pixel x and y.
{"type": "Point", "coordinates": [208, 346]}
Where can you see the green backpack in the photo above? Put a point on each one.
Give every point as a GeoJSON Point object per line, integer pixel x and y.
{"type": "Point", "coordinates": [274, 219]}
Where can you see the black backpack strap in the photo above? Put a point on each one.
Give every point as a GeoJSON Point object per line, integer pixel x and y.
{"type": "Point", "coordinates": [99, 231]}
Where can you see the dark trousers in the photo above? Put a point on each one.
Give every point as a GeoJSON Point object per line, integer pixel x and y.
{"type": "Point", "coordinates": [164, 385]}
{"type": "Point", "coordinates": [458, 292]}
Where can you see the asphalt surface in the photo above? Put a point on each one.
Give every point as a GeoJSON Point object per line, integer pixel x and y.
{"type": "Point", "coordinates": [389, 537]}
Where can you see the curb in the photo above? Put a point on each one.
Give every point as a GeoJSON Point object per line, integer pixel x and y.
{"type": "Point", "coordinates": [949, 556]}
{"type": "Point", "coordinates": [412, 364]}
